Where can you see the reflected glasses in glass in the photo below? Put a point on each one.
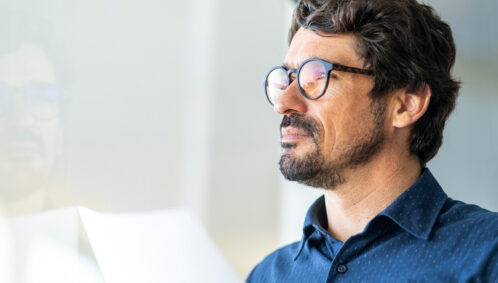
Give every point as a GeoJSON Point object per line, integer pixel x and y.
{"type": "Point", "coordinates": [41, 101]}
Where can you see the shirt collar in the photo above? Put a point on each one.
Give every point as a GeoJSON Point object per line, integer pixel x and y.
{"type": "Point", "coordinates": [415, 210]}
{"type": "Point", "coordinates": [316, 218]}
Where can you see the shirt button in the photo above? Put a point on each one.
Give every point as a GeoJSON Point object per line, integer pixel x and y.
{"type": "Point", "coordinates": [342, 268]}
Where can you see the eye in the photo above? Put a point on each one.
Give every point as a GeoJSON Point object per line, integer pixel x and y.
{"type": "Point", "coordinates": [319, 76]}
{"type": "Point", "coordinates": [44, 94]}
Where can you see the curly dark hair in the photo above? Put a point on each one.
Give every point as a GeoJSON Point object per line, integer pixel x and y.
{"type": "Point", "coordinates": [405, 43]}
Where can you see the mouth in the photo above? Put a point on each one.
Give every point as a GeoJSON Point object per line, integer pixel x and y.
{"type": "Point", "coordinates": [293, 135]}
{"type": "Point", "coordinates": [22, 150]}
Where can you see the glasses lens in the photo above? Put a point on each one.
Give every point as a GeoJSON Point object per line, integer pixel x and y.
{"type": "Point", "coordinates": [313, 78]}
{"type": "Point", "coordinates": [276, 83]}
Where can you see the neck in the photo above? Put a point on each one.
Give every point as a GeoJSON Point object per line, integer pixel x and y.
{"type": "Point", "coordinates": [368, 190]}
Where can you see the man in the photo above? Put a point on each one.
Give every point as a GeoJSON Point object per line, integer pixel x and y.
{"type": "Point", "coordinates": [30, 128]}
{"type": "Point", "coordinates": [31, 144]}
{"type": "Point", "coordinates": [365, 91]}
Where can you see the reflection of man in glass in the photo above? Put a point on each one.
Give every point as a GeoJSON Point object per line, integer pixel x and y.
{"type": "Point", "coordinates": [30, 128]}
{"type": "Point", "coordinates": [31, 141]}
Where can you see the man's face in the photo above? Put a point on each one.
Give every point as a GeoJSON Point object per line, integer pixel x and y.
{"type": "Point", "coordinates": [30, 130]}
{"type": "Point", "coordinates": [344, 128]}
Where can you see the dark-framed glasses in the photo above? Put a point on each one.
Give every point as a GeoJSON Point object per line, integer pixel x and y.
{"type": "Point", "coordinates": [312, 78]}
{"type": "Point", "coordinates": [41, 101]}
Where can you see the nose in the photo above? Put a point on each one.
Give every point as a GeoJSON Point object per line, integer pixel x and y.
{"type": "Point", "coordinates": [290, 101]}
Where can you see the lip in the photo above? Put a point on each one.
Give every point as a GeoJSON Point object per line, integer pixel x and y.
{"type": "Point", "coordinates": [22, 150]}
{"type": "Point", "coordinates": [291, 134]}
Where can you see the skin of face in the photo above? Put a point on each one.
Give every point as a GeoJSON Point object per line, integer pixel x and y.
{"type": "Point", "coordinates": [343, 114]}
{"type": "Point", "coordinates": [28, 157]}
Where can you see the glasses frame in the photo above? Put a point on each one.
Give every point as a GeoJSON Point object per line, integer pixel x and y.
{"type": "Point", "coordinates": [328, 68]}
{"type": "Point", "coordinates": [29, 94]}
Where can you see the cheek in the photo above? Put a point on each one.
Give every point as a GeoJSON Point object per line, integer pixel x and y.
{"type": "Point", "coordinates": [327, 119]}
{"type": "Point", "coordinates": [330, 136]}
{"type": "Point", "coordinates": [335, 113]}
{"type": "Point", "coordinates": [343, 117]}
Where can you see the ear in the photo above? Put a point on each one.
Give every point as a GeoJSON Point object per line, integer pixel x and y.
{"type": "Point", "coordinates": [409, 107]}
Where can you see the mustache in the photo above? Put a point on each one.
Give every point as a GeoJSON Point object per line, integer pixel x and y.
{"type": "Point", "coordinates": [16, 134]}
{"type": "Point", "coordinates": [301, 122]}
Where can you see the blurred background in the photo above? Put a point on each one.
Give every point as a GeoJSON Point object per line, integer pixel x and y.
{"type": "Point", "coordinates": [124, 106]}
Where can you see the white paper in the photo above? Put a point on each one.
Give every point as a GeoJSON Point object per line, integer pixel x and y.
{"type": "Point", "coordinates": [160, 246]}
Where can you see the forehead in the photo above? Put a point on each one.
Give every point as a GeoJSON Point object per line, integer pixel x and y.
{"type": "Point", "coordinates": [28, 64]}
{"type": "Point", "coordinates": [336, 48]}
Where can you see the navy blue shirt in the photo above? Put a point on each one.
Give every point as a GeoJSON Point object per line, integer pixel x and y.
{"type": "Point", "coordinates": [422, 236]}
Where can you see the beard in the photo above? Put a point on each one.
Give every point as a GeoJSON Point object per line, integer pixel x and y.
{"type": "Point", "coordinates": [25, 165]}
{"type": "Point", "coordinates": [314, 169]}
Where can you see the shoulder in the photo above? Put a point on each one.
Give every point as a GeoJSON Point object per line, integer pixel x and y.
{"type": "Point", "coordinates": [275, 264]}
{"type": "Point", "coordinates": [469, 217]}
{"type": "Point", "coordinates": [471, 233]}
